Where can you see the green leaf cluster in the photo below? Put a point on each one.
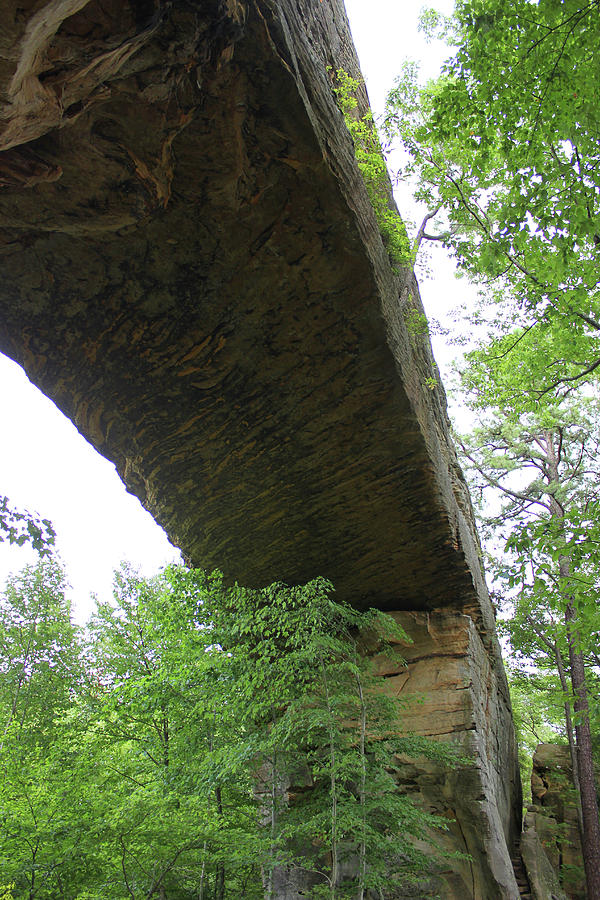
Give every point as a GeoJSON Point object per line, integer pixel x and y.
{"type": "Point", "coordinates": [20, 527]}
{"type": "Point", "coordinates": [506, 143]}
{"type": "Point", "coordinates": [199, 741]}
{"type": "Point", "coordinates": [373, 167]}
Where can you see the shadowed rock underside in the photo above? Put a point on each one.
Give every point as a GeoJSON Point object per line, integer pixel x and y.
{"type": "Point", "coordinates": [192, 271]}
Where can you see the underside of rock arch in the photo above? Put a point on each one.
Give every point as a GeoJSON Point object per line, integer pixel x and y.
{"type": "Point", "coordinates": [192, 271]}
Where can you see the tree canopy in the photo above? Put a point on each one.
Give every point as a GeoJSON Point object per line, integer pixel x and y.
{"type": "Point", "coordinates": [198, 741]}
{"type": "Point", "coordinates": [505, 148]}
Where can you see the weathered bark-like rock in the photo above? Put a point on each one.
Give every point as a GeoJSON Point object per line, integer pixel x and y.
{"type": "Point", "coordinates": [192, 271]}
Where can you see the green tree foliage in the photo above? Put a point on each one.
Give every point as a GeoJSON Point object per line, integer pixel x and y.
{"type": "Point", "coordinates": [538, 459]}
{"type": "Point", "coordinates": [504, 147]}
{"type": "Point", "coordinates": [20, 527]}
{"type": "Point", "coordinates": [199, 742]}
{"type": "Point", "coordinates": [371, 161]}
{"type": "Point", "coordinates": [538, 709]}
{"type": "Point", "coordinates": [319, 738]}
{"type": "Point", "coordinates": [43, 792]}
{"type": "Point", "coordinates": [506, 143]}
{"type": "Point", "coordinates": [179, 804]}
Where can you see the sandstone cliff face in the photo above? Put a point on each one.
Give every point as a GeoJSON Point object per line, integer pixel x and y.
{"type": "Point", "coordinates": [193, 273]}
{"type": "Point", "coordinates": [551, 820]}
{"type": "Point", "coordinates": [452, 694]}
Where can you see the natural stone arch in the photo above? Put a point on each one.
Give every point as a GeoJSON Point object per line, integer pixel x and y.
{"type": "Point", "coordinates": [193, 273]}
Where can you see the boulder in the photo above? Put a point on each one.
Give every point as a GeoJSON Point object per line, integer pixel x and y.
{"type": "Point", "coordinates": [551, 820]}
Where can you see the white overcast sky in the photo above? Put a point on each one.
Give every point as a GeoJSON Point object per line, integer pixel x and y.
{"type": "Point", "coordinates": [45, 465]}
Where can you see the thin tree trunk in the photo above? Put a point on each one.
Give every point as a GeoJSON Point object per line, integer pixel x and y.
{"type": "Point", "coordinates": [202, 873]}
{"type": "Point", "coordinates": [220, 882]}
{"type": "Point", "coordinates": [32, 888]}
{"type": "Point", "coordinates": [333, 787]}
{"type": "Point", "coordinates": [268, 879]}
{"type": "Point", "coordinates": [570, 735]}
{"type": "Point", "coordinates": [273, 821]}
{"type": "Point", "coordinates": [362, 853]}
{"type": "Point", "coordinates": [205, 845]}
{"type": "Point", "coordinates": [220, 873]}
{"type": "Point", "coordinates": [589, 802]}
{"type": "Point", "coordinates": [553, 648]}
{"type": "Point", "coordinates": [124, 868]}
{"type": "Point", "coordinates": [590, 836]}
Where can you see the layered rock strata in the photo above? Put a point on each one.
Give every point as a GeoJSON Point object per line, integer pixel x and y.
{"type": "Point", "coordinates": [451, 693]}
{"type": "Point", "coordinates": [551, 821]}
{"type": "Point", "coordinates": [192, 271]}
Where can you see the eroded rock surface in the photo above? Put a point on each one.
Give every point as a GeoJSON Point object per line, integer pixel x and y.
{"type": "Point", "coordinates": [543, 877]}
{"type": "Point", "coordinates": [193, 273]}
{"type": "Point", "coordinates": [453, 694]}
{"type": "Point", "coordinates": [553, 816]}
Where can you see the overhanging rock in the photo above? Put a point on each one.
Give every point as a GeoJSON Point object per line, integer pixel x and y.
{"type": "Point", "coordinates": [193, 273]}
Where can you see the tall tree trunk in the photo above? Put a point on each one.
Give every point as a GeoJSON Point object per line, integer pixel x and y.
{"type": "Point", "coordinates": [220, 874]}
{"type": "Point", "coordinates": [220, 882]}
{"type": "Point", "coordinates": [590, 839]}
{"type": "Point", "coordinates": [202, 872]}
{"type": "Point", "coordinates": [274, 781]}
{"type": "Point", "coordinates": [32, 890]}
{"type": "Point", "coordinates": [554, 650]}
{"type": "Point", "coordinates": [272, 817]}
{"type": "Point", "coordinates": [570, 734]}
{"type": "Point", "coordinates": [590, 836]}
{"type": "Point", "coordinates": [362, 851]}
{"type": "Point", "coordinates": [332, 785]}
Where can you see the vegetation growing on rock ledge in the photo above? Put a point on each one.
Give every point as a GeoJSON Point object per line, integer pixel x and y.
{"type": "Point", "coordinates": [372, 164]}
